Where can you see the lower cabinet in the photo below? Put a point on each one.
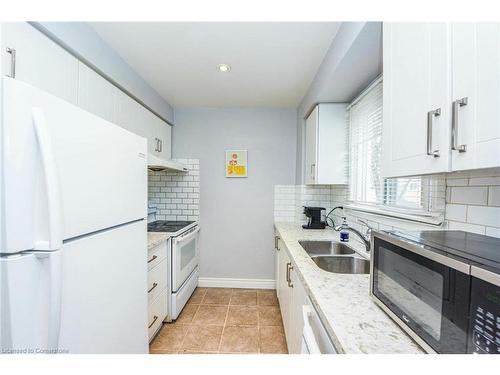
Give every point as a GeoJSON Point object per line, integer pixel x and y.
{"type": "Point", "coordinates": [292, 297]}
{"type": "Point", "coordinates": [157, 287]}
{"type": "Point", "coordinates": [296, 308]}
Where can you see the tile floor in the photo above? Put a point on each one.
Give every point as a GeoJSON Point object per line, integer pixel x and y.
{"type": "Point", "coordinates": [219, 320]}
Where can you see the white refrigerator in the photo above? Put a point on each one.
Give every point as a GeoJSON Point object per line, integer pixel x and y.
{"type": "Point", "coordinates": [73, 237]}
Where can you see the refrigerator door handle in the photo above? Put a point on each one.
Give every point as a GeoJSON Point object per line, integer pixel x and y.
{"type": "Point", "coordinates": [54, 297]}
{"type": "Point", "coordinates": [54, 241]}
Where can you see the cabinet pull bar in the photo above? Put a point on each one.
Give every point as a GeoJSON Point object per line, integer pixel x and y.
{"type": "Point", "coordinates": [430, 123]}
{"type": "Point", "coordinates": [290, 284]}
{"type": "Point", "coordinates": [12, 53]}
{"type": "Point", "coordinates": [155, 318]}
{"type": "Point", "coordinates": [154, 286]}
{"type": "Point", "coordinates": [454, 125]}
{"type": "Point", "coordinates": [153, 258]}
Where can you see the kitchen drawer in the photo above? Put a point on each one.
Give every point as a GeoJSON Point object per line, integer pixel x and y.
{"type": "Point", "coordinates": [157, 254]}
{"type": "Point", "coordinates": [157, 312]}
{"type": "Point", "coordinates": [157, 280]}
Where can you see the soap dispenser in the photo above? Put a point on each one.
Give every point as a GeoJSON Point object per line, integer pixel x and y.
{"type": "Point", "coordinates": [344, 233]}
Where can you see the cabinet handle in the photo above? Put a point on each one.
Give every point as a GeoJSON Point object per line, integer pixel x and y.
{"type": "Point", "coordinates": [154, 286]}
{"type": "Point", "coordinates": [155, 318]}
{"type": "Point", "coordinates": [276, 243]}
{"type": "Point", "coordinates": [290, 268]}
{"type": "Point", "coordinates": [430, 123]}
{"type": "Point", "coordinates": [12, 53]}
{"type": "Point", "coordinates": [313, 168]}
{"type": "Point", "coordinates": [153, 258]}
{"type": "Point", "coordinates": [160, 145]}
{"type": "Point", "coordinates": [454, 125]}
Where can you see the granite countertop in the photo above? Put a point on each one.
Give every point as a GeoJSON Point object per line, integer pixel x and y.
{"type": "Point", "coordinates": [353, 320]}
{"type": "Point", "coordinates": [156, 238]}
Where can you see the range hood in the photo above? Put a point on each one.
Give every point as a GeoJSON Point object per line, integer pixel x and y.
{"type": "Point", "coordinates": [157, 164]}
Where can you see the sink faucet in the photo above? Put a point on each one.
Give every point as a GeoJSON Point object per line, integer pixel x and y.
{"type": "Point", "coordinates": [365, 238]}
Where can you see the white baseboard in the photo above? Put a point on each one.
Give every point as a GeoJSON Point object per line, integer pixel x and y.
{"type": "Point", "coordinates": [216, 282]}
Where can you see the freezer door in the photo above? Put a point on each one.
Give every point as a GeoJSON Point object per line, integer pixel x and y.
{"type": "Point", "coordinates": [66, 172]}
{"type": "Point", "coordinates": [30, 302]}
{"type": "Point", "coordinates": [104, 293]}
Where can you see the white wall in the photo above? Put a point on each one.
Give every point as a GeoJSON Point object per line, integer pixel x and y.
{"type": "Point", "coordinates": [82, 38]}
{"type": "Point", "coordinates": [236, 215]}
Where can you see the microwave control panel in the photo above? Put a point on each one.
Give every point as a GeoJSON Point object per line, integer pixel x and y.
{"type": "Point", "coordinates": [484, 328]}
{"type": "Point", "coordinates": [486, 332]}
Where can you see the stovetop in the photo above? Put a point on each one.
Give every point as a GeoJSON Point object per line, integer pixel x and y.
{"type": "Point", "coordinates": [168, 226]}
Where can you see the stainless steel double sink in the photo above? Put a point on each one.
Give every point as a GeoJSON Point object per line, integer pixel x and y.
{"type": "Point", "coordinates": [335, 257]}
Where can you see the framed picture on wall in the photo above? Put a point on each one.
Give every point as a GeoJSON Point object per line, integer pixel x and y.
{"type": "Point", "coordinates": [236, 163]}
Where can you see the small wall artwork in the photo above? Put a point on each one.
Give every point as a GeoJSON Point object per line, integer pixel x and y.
{"type": "Point", "coordinates": [236, 163]}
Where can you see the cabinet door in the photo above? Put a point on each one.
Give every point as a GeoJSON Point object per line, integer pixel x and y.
{"type": "Point", "coordinates": [285, 294]}
{"type": "Point", "coordinates": [416, 99]}
{"type": "Point", "coordinates": [127, 114]}
{"type": "Point", "coordinates": [476, 83]}
{"type": "Point", "coordinates": [95, 94]}
{"type": "Point", "coordinates": [39, 61]}
{"type": "Point", "coordinates": [298, 300]}
{"type": "Point", "coordinates": [311, 147]}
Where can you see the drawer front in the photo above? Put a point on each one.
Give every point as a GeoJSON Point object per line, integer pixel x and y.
{"type": "Point", "coordinates": [157, 280]}
{"type": "Point", "coordinates": [157, 254]}
{"type": "Point", "coordinates": [157, 312]}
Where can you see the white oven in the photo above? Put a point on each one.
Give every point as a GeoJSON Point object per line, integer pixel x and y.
{"type": "Point", "coordinates": [184, 268]}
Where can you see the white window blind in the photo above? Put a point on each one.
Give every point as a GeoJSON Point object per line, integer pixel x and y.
{"type": "Point", "coordinates": [412, 195]}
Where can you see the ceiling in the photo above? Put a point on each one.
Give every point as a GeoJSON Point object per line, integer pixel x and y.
{"type": "Point", "coordinates": [272, 63]}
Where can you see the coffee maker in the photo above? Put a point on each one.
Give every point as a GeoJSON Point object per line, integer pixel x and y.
{"type": "Point", "coordinates": [314, 218]}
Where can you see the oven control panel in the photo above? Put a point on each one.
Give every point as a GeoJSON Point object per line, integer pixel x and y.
{"type": "Point", "coordinates": [486, 331]}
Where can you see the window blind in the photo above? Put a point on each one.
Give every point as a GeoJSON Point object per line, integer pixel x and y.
{"type": "Point", "coordinates": [412, 195]}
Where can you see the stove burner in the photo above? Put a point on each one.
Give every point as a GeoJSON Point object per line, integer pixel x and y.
{"type": "Point", "coordinates": [168, 226]}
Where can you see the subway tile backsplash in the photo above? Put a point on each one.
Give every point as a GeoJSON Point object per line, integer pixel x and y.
{"type": "Point", "coordinates": [472, 204]}
{"type": "Point", "coordinates": [175, 195]}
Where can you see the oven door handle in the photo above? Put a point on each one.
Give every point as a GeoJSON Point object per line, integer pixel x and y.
{"type": "Point", "coordinates": [191, 233]}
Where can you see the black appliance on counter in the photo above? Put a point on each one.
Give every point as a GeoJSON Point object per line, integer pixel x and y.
{"type": "Point", "coordinates": [441, 287]}
{"type": "Point", "coordinates": [314, 218]}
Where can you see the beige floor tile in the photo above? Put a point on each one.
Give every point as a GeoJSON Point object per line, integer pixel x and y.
{"type": "Point", "coordinates": [244, 298]}
{"type": "Point", "coordinates": [197, 296]}
{"type": "Point", "coordinates": [170, 338]}
{"type": "Point", "coordinates": [272, 340]}
{"type": "Point", "coordinates": [196, 352]}
{"type": "Point", "coordinates": [202, 338]}
{"type": "Point", "coordinates": [243, 315]}
{"type": "Point", "coordinates": [159, 351]}
{"type": "Point", "coordinates": [217, 296]}
{"type": "Point", "coordinates": [269, 316]}
{"type": "Point", "coordinates": [207, 314]}
{"type": "Point", "coordinates": [240, 340]}
{"type": "Point", "coordinates": [187, 314]}
{"type": "Point", "coordinates": [267, 298]}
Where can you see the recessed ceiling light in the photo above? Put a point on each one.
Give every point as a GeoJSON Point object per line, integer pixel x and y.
{"type": "Point", "coordinates": [223, 68]}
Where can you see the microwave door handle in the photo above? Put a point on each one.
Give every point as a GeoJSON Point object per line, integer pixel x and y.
{"type": "Point", "coordinates": [54, 240]}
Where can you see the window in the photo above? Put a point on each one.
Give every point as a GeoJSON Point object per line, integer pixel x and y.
{"type": "Point", "coordinates": [412, 195]}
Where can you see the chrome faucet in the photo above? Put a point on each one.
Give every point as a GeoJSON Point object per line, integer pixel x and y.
{"type": "Point", "coordinates": [365, 238]}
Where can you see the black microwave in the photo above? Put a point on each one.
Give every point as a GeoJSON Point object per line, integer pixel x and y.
{"type": "Point", "coordinates": [441, 287]}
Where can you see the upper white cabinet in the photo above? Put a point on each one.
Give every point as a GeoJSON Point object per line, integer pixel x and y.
{"type": "Point", "coordinates": [95, 94]}
{"type": "Point", "coordinates": [475, 95]}
{"type": "Point", "coordinates": [416, 99]}
{"type": "Point", "coordinates": [35, 59]}
{"type": "Point", "coordinates": [326, 145]}
{"type": "Point", "coordinates": [38, 61]}
{"type": "Point", "coordinates": [441, 98]}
